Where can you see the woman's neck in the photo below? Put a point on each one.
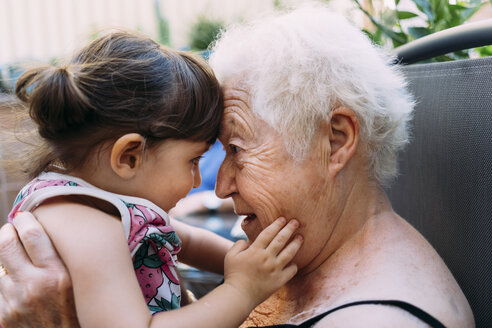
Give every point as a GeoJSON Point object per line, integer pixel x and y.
{"type": "Point", "coordinates": [325, 277]}
{"type": "Point", "coordinates": [347, 211]}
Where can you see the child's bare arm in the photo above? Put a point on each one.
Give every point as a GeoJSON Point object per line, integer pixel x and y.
{"type": "Point", "coordinates": [201, 248]}
{"type": "Point", "coordinates": [252, 274]}
{"type": "Point", "coordinates": [93, 246]}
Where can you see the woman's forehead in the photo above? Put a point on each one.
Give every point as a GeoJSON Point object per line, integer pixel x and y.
{"type": "Point", "coordinates": [235, 123]}
{"type": "Point", "coordinates": [238, 117]}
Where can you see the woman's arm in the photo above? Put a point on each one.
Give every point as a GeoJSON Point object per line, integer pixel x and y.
{"type": "Point", "coordinates": [201, 248]}
{"type": "Point", "coordinates": [36, 277]}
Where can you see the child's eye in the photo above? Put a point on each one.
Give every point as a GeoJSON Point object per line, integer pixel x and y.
{"type": "Point", "coordinates": [235, 149]}
{"type": "Point", "coordinates": [196, 160]}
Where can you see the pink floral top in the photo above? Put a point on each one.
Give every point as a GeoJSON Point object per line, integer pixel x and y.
{"type": "Point", "coordinates": [152, 242]}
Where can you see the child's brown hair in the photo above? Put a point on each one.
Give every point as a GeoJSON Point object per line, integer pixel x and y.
{"type": "Point", "coordinates": [120, 83]}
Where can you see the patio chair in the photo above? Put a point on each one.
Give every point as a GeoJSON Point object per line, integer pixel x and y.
{"type": "Point", "coordinates": [445, 185]}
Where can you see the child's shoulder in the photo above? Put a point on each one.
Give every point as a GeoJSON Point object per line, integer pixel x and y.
{"type": "Point", "coordinates": [53, 187]}
{"type": "Point", "coordinates": [71, 207]}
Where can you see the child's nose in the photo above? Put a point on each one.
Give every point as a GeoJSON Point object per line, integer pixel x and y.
{"type": "Point", "coordinates": [225, 185]}
{"type": "Point", "coordinates": [197, 180]}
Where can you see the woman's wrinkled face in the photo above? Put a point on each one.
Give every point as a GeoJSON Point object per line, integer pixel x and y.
{"type": "Point", "coordinates": [262, 178]}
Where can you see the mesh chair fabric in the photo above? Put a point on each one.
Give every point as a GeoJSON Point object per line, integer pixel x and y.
{"type": "Point", "coordinates": [445, 184]}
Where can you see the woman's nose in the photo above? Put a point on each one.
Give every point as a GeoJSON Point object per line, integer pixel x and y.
{"type": "Point", "coordinates": [226, 181]}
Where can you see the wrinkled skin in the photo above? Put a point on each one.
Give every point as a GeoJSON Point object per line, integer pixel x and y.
{"type": "Point", "coordinates": [263, 178]}
{"type": "Point", "coordinates": [37, 278]}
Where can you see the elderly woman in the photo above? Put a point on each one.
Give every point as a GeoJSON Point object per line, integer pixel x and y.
{"type": "Point", "coordinates": [313, 121]}
{"type": "Point", "coordinates": [314, 118]}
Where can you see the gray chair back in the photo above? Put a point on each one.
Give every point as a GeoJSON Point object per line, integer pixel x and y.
{"type": "Point", "coordinates": [445, 185]}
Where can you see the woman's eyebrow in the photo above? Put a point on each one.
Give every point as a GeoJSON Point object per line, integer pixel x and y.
{"type": "Point", "coordinates": [241, 128]}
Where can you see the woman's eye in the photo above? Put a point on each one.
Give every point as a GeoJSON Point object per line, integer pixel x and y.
{"type": "Point", "coordinates": [234, 149]}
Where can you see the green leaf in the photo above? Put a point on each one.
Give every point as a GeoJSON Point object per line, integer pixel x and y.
{"type": "Point", "coordinates": [168, 306]}
{"type": "Point", "coordinates": [373, 37]}
{"type": "Point", "coordinates": [426, 8]}
{"type": "Point", "coordinates": [137, 264]}
{"type": "Point", "coordinates": [162, 303]}
{"type": "Point", "coordinates": [163, 31]}
{"type": "Point", "coordinates": [175, 301]}
{"type": "Point", "coordinates": [141, 253]}
{"type": "Point", "coordinates": [457, 7]}
{"type": "Point", "coordinates": [484, 51]}
{"type": "Point", "coordinates": [390, 33]}
{"type": "Point", "coordinates": [204, 32]}
{"type": "Point", "coordinates": [443, 58]}
{"type": "Point", "coordinates": [440, 10]}
{"type": "Point", "coordinates": [405, 14]}
{"type": "Point", "coordinates": [462, 54]}
{"type": "Point", "coordinates": [155, 308]}
{"type": "Point", "coordinates": [418, 32]}
{"type": "Point", "coordinates": [153, 261]}
{"type": "Point", "coordinates": [172, 237]}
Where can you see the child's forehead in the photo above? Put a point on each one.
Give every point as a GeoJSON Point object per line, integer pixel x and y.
{"type": "Point", "coordinates": [205, 146]}
{"type": "Point", "coordinates": [184, 146]}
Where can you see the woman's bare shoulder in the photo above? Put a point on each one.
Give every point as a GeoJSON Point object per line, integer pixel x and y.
{"type": "Point", "coordinates": [401, 265]}
{"type": "Point", "coordinates": [391, 262]}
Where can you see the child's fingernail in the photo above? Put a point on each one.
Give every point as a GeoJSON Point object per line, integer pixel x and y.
{"type": "Point", "coordinates": [295, 223]}
{"type": "Point", "coordinates": [281, 220]}
{"type": "Point", "coordinates": [17, 213]}
{"type": "Point", "coordinates": [299, 237]}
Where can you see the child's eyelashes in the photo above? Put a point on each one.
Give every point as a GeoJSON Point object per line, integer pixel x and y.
{"type": "Point", "coordinates": [196, 160]}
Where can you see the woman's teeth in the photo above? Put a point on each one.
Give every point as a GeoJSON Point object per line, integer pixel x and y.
{"type": "Point", "coordinates": [249, 218]}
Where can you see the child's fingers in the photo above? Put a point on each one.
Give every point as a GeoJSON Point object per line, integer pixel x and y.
{"type": "Point", "coordinates": [279, 241]}
{"type": "Point", "coordinates": [238, 247]}
{"type": "Point", "coordinates": [266, 236]}
{"type": "Point", "coordinates": [290, 271]}
{"type": "Point", "coordinates": [288, 253]}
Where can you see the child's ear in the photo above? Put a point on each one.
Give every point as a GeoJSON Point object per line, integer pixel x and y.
{"type": "Point", "coordinates": [340, 137]}
{"type": "Point", "coordinates": [127, 155]}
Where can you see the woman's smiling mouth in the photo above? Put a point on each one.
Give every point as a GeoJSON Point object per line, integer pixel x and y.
{"type": "Point", "coordinates": [248, 219]}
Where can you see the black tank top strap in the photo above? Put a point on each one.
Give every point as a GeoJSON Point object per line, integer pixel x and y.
{"type": "Point", "coordinates": [417, 312]}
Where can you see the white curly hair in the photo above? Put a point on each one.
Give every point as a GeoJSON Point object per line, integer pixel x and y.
{"type": "Point", "coordinates": [298, 66]}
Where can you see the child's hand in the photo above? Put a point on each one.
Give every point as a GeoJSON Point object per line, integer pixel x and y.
{"type": "Point", "coordinates": [259, 270]}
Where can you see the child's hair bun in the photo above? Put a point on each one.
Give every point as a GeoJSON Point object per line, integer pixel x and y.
{"type": "Point", "coordinates": [55, 101]}
{"type": "Point", "coordinates": [119, 83]}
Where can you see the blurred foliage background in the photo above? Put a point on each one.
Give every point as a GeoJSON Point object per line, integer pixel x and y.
{"type": "Point", "coordinates": [388, 24]}
{"type": "Point", "coordinates": [204, 32]}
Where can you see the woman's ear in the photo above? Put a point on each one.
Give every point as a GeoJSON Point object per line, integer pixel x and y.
{"type": "Point", "coordinates": [340, 135]}
{"type": "Point", "coordinates": [127, 155]}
